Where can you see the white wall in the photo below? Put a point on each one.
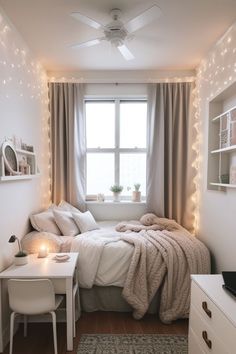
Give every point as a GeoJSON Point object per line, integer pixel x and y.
{"type": "Point", "coordinates": [217, 209]}
{"type": "Point", "coordinates": [24, 113]}
{"type": "Point", "coordinates": [119, 76]}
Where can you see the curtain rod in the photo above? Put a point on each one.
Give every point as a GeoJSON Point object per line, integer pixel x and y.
{"type": "Point", "coordinates": [122, 81]}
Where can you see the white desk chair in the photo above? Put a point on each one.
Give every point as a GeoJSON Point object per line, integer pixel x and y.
{"type": "Point", "coordinates": [32, 297]}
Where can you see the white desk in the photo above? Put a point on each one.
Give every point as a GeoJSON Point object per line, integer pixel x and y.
{"type": "Point", "coordinates": [60, 273]}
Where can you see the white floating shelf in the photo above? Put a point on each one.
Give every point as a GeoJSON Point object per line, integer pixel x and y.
{"type": "Point", "coordinates": [227, 149]}
{"type": "Point", "coordinates": [222, 114]}
{"type": "Point", "coordinates": [226, 185]}
{"type": "Point", "coordinates": [17, 177]}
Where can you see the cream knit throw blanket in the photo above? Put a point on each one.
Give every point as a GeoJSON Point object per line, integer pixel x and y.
{"type": "Point", "coordinates": [163, 260]}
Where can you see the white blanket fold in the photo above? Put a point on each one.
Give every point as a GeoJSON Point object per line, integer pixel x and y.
{"type": "Point", "coordinates": [90, 250]}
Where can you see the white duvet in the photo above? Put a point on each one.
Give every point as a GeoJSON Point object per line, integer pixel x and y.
{"type": "Point", "coordinates": [104, 259]}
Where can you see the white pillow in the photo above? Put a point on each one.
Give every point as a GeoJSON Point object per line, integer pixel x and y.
{"type": "Point", "coordinates": [66, 223]}
{"type": "Point", "coordinates": [67, 207]}
{"type": "Point", "coordinates": [45, 222]}
{"type": "Point", "coordinates": [85, 221]}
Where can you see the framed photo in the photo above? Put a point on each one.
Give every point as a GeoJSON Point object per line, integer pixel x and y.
{"type": "Point", "coordinates": [10, 158]}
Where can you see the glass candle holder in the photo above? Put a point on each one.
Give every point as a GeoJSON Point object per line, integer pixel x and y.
{"type": "Point", "coordinates": [43, 252]}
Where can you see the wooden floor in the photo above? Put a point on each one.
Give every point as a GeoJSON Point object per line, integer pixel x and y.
{"type": "Point", "coordinates": [40, 340]}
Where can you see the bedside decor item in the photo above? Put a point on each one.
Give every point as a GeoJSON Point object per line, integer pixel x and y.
{"type": "Point", "coordinates": [43, 252]}
{"type": "Point", "coordinates": [62, 257]}
{"type": "Point", "coordinates": [116, 189]}
{"type": "Point", "coordinates": [9, 155]}
{"type": "Point", "coordinates": [21, 257]}
{"type": "Point", "coordinates": [136, 195]}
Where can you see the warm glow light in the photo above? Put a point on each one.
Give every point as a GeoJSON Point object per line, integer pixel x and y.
{"type": "Point", "coordinates": [23, 75]}
{"type": "Point", "coordinates": [43, 251]}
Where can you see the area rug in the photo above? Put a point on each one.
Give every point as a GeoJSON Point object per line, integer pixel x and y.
{"type": "Point", "coordinates": [132, 343]}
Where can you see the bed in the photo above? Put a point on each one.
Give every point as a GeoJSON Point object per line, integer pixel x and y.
{"type": "Point", "coordinates": [106, 258]}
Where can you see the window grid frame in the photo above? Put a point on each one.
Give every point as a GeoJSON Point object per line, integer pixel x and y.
{"type": "Point", "coordinates": [117, 151]}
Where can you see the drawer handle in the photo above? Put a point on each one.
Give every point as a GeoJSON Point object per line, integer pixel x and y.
{"type": "Point", "coordinates": [207, 341]}
{"type": "Point", "coordinates": [206, 309]}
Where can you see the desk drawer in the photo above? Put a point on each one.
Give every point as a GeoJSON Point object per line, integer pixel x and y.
{"type": "Point", "coordinates": [206, 336]}
{"type": "Point", "coordinates": [193, 343]}
{"type": "Point", "coordinates": [214, 317]}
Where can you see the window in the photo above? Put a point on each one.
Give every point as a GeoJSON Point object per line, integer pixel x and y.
{"type": "Point", "coordinates": [116, 145]}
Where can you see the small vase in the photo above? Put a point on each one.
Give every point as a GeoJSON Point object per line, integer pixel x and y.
{"type": "Point", "coordinates": [136, 196]}
{"type": "Point", "coordinates": [116, 197]}
{"type": "Point", "coordinates": [20, 260]}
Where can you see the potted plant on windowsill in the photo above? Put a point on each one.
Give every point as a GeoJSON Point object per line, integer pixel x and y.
{"type": "Point", "coordinates": [20, 257]}
{"type": "Point", "coordinates": [136, 195]}
{"type": "Point", "coordinates": [116, 189]}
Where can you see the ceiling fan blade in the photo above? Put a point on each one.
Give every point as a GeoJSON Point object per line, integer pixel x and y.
{"type": "Point", "coordinates": [125, 52]}
{"type": "Point", "coordinates": [143, 19]}
{"type": "Point", "coordinates": [90, 43]}
{"type": "Point", "coordinates": [87, 20]}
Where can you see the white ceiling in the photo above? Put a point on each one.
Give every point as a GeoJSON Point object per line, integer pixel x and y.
{"type": "Point", "coordinates": [179, 39]}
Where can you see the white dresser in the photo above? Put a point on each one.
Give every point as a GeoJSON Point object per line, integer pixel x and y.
{"type": "Point", "coordinates": [212, 322]}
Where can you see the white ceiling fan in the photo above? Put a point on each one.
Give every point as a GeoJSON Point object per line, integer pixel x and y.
{"type": "Point", "coordinates": [116, 32]}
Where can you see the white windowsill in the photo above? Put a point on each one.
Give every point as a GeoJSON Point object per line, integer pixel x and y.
{"type": "Point", "coordinates": [110, 202]}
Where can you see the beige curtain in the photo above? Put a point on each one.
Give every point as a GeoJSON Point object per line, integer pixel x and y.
{"type": "Point", "coordinates": [67, 143]}
{"type": "Point", "coordinates": [169, 159]}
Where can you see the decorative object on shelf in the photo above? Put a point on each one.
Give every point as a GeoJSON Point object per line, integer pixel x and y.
{"type": "Point", "coordinates": [11, 163]}
{"type": "Point", "coordinates": [16, 142]}
{"type": "Point", "coordinates": [222, 141]}
{"type": "Point", "coordinates": [233, 126]}
{"type": "Point", "coordinates": [21, 257]}
{"type": "Point", "coordinates": [24, 167]}
{"type": "Point", "coordinates": [43, 252]}
{"type": "Point", "coordinates": [136, 195]}
{"type": "Point", "coordinates": [100, 197]}
{"type": "Point", "coordinates": [224, 131]}
{"type": "Point", "coordinates": [232, 175]}
{"type": "Point", "coordinates": [15, 163]}
{"type": "Point", "coordinates": [224, 179]}
{"type": "Point", "coordinates": [116, 189]}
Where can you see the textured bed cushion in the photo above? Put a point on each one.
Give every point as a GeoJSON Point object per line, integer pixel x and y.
{"type": "Point", "coordinates": [85, 221]}
{"type": "Point", "coordinates": [66, 223]}
{"type": "Point", "coordinates": [33, 241]}
{"type": "Point", "coordinates": [67, 207]}
{"type": "Point", "coordinates": [45, 222]}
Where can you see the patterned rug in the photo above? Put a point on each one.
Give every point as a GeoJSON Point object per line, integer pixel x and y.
{"type": "Point", "coordinates": [132, 344]}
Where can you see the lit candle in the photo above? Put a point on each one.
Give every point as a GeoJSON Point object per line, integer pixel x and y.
{"type": "Point", "coordinates": [43, 252]}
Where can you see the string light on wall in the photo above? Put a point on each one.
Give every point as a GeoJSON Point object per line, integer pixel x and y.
{"type": "Point", "coordinates": [23, 78]}
{"type": "Point", "coordinates": [214, 74]}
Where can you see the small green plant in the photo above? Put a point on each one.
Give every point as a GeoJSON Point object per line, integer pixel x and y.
{"type": "Point", "coordinates": [137, 186]}
{"type": "Point", "coordinates": [116, 188]}
{"type": "Point", "coordinates": [21, 254]}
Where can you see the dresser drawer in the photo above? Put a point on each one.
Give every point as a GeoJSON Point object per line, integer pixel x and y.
{"type": "Point", "coordinates": [213, 317]}
{"type": "Point", "coordinates": [207, 338]}
{"type": "Point", "coordinates": [193, 343]}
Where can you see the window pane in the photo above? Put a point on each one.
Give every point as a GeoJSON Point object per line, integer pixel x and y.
{"type": "Point", "coordinates": [132, 171]}
{"type": "Point", "coordinates": [100, 173]}
{"type": "Point", "coordinates": [100, 124]}
{"type": "Point", "coordinates": [133, 121]}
